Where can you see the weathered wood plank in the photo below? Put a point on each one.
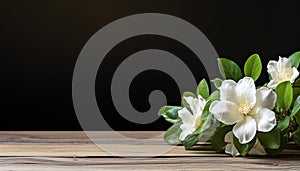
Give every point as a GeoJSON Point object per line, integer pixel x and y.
{"type": "Point", "coordinates": [74, 151]}
{"type": "Point", "coordinates": [172, 163]}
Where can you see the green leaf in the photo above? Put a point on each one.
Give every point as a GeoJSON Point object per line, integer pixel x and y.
{"type": "Point", "coordinates": [187, 94]}
{"type": "Point", "coordinates": [253, 67]}
{"type": "Point", "coordinates": [203, 89]}
{"type": "Point", "coordinates": [170, 113]}
{"type": "Point", "coordinates": [190, 141]}
{"type": "Point", "coordinates": [297, 117]}
{"type": "Point", "coordinates": [214, 95]}
{"type": "Point", "coordinates": [284, 93]}
{"type": "Point", "coordinates": [205, 111]}
{"type": "Point", "coordinates": [296, 89]}
{"type": "Point", "coordinates": [296, 136]}
{"type": "Point", "coordinates": [296, 93]}
{"type": "Point", "coordinates": [297, 83]}
{"type": "Point", "coordinates": [217, 82]}
{"type": "Point", "coordinates": [283, 124]}
{"type": "Point", "coordinates": [208, 125]}
{"type": "Point", "coordinates": [229, 69]}
{"type": "Point", "coordinates": [295, 59]}
{"type": "Point", "coordinates": [205, 124]}
{"type": "Point", "coordinates": [218, 143]}
{"type": "Point", "coordinates": [296, 107]}
{"type": "Point", "coordinates": [283, 143]}
{"type": "Point", "coordinates": [270, 139]}
{"type": "Point", "coordinates": [172, 134]}
{"type": "Point", "coordinates": [243, 148]}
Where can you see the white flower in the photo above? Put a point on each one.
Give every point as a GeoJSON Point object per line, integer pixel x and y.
{"type": "Point", "coordinates": [191, 121]}
{"type": "Point", "coordinates": [249, 109]}
{"type": "Point", "coordinates": [257, 149]}
{"type": "Point", "coordinates": [230, 148]}
{"type": "Point", "coordinates": [281, 71]}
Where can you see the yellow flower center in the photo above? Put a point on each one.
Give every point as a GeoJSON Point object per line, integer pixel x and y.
{"type": "Point", "coordinates": [198, 123]}
{"type": "Point", "coordinates": [284, 76]}
{"type": "Point", "coordinates": [245, 108]}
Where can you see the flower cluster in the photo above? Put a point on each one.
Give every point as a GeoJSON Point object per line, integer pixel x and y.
{"type": "Point", "coordinates": [239, 117]}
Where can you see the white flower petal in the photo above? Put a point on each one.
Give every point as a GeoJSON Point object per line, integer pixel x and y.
{"type": "Point", "coordinates": [228, 137]}
{"type": "Point", "coordinates": [245, 91]}
{"type": "Point", "coordinates": [265, 120]}
{"type": "Point", "coordinates": [275, 77]}
{"type": "Point", "coordinates": [184, 134]}
{"type": "Point", "coordinates": [257, 149]}
{"type": "Point", "coordinates": [225, 112]}
{"type": "Point", "coordinates": [201, 101]}
{"type": "Point", "coordinates": [265, 98]}
{"type": "Point", "coordinates": [230, 148]}
{"type": "Point", "coordinates": [245, 130]}
{"type": "Point", "coordinates": [227, 91]}
{"type": "Point", "coordinates": [295, 74]}
{"type": "Point", "coordinates": [272, 66]}
{"type": "Point", "coordinates": [283, 71]}
{"type": "Point", "coordinates": [187, 129]}
{"type": "Point", "coordinates": [196, 105]}
{"type": "Point", "coordinates": [186, 116]}
{"type": "Point", "coordinates": [272, 84]}
{"type": "Point", "coordinates": [283, 63]}
{"type": "Point", "coordinates": [193, 104]}
{"type": "Point", "coordinates": [185, 126]}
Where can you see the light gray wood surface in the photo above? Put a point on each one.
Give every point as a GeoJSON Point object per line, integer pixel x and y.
{"type": "Point", "coordinates": [74, 151]}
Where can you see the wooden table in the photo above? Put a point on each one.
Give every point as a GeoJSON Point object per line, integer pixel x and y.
{"type": "Point", "coordinates": [74, 151]}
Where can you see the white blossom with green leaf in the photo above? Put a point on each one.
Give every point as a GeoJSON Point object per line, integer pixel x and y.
{"type": "Point", "coordinates": [249, 109]}
{"type": "Point", "coordinates": [191, 119]}
{"type": "Point", "coordinates": [254, 121]}
{"type": "Point", "coordinates": [280, 71]}
{"type": "Point", "coordinates": [257, 149]}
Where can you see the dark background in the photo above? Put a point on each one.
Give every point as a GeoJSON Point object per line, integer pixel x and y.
{"type": "Point", "coordinates": [41, 40]}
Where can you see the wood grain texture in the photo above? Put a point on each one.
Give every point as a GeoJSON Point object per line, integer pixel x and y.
{"type": "Point", "coordinates": [74, 151]}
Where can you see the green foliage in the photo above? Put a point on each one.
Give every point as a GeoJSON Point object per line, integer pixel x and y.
{"type": "Point", "coordinates": [296, 93]}
{"type": "Point", "coordinates": [190, 141]}
{"type": "Point", "coordinates": [217, 82]}
{"type": "Point", "coordinates": [205, 111]}
{"type": "Point", "coordinates": [296, 136]}
{"type": "Point", "coordinates": [283, 124]}
{"type": "Point", "coordinates": [172, 134]}
{"type": "Point", "coordinates": [283, 143]}
{"type": "Point", "coordinates": [214, 95]}
{"type": "Point", "coordinates": [284, 93]}
{"type": "Point", "coordinates": [287, 111]}
{"type": "Point", "coordinates": [297, 82]}
{"type": "Point", "coordinates": [229, 69]}
{"type": "Point", "coordinates": [253, 67]}
{"type": "Point", "coordinates": [295, 59]}
{"type": "Point", "coordinates": [270, 139]}
{"type": "Point", "coordinates": [296, 89]}
{"type": "Point", "coordinates": [243, 149]}
{"type": "Point", "coordinates": [296, 107]}
{"type": "Point", "coordinates": [170, 113]}
{"type": "Point", "coordinates": [203, 89]}
{"type": "Point", "coordinates": [297, 117]}
{"type": "Point", "coordinates": [218, 143]}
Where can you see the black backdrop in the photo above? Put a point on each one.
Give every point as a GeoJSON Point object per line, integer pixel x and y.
{"type": "Point", "coordinates": [41, 40]}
